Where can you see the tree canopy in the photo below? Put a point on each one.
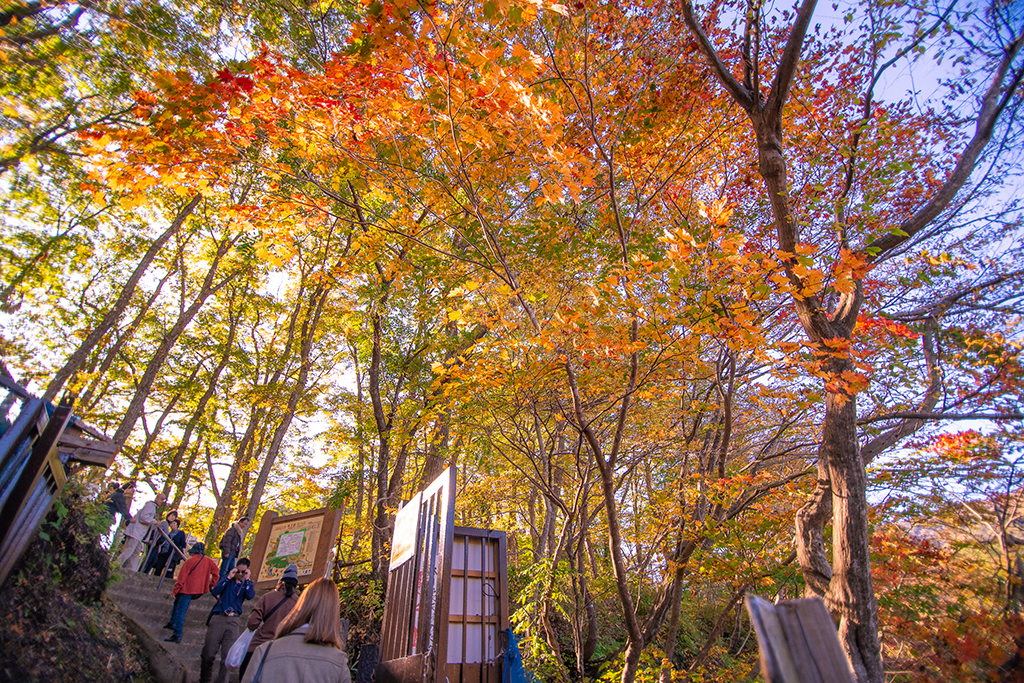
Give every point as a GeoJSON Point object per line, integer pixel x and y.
{"type": "Point", "coordinates": [696, 298]}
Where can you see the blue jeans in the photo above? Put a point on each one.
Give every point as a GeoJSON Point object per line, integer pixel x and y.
{"type": "Point", "coordinates": [227, 564]}
{"type": "Point", "coordinates": [181, 603]}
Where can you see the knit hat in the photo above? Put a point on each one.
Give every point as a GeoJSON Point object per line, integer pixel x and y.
{"type": "Point", "coordinates": [198, 548]}
{"type": "Point", "coordinates": [291, 572]}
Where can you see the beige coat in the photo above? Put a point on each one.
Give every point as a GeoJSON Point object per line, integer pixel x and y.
{"type": "Point", "coordinates": [142, 522]}
{"type": "Point", "coordinates": [293, 659]}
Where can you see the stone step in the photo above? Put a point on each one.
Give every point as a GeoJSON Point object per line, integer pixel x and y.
{"type": "Point", "coordinates": [151, 604]}
{"type": "Point", "coordinates": [138, 597]}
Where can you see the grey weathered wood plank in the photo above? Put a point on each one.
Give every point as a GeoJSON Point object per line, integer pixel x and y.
{"type": "Point", "coordinates": [798, 642]}
{"type": "Point", "coordinates": [776, 662]}
{"type": "Point", "coordinates": [821, 634]}
{"type": "Point", "coordinates": [799, 648]}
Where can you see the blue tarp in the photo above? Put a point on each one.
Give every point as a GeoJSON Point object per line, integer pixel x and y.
{"type": "Point", "coordinates": [513, 671]}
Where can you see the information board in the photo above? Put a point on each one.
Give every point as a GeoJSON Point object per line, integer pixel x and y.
{"type": "Point", "coordinates": [304, 539]}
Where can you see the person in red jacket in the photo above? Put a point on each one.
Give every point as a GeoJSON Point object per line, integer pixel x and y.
{"type": "Point", "coordinates": [197, 576]}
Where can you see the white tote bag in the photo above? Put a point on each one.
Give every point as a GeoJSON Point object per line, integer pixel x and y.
{"type": "Point", "coordinates": [237, 652]}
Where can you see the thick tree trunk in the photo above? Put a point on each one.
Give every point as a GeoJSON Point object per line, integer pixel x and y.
{"type": "Point", "coordinates": [850, 592]}
{"type": "Point", "coordinates": [811, 520]}
{"type": "Point", "coordinates": [849, 589]}
{"type": "Point", "coordinates": [633, 652]}
{"type": "Point", "coordinates": [93, 338]}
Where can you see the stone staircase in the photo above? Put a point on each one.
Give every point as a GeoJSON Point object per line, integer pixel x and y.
{"type": "Point", "coordinates": [149, 609]}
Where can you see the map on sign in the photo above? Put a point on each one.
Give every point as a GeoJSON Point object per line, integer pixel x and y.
{"type": "Point", "coordinates": [291, 542]}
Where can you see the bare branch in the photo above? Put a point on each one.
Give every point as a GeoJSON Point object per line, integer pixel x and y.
{"type": "Point", "coordinates": [790, 60]}
{"type": "Point", "coordinates": [742, 95]}
{"type": "Point", "coordinates": [912, 415]}
{"type": "Point", "coordinates": [996, 99]}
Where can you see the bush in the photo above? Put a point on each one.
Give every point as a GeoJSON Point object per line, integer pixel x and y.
{"type": "Point", "coordinates": [362, 603]}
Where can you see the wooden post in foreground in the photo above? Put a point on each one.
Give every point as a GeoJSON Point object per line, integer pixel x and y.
{"type": "Point", "coordinates": [798, 642]}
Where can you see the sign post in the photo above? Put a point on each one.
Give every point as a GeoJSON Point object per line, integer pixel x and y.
{"type": "Point", "coordinates": [447, 601]}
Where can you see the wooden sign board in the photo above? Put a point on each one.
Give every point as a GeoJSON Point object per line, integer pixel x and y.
{"type": "Point", "coordinates": [403, 540]}
{"type": "Point", "coordinates": [305, 540]}
{"type": "Point", "coordinates": [413, 634]}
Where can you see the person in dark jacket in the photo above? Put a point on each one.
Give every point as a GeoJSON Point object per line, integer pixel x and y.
{"type": "Point", "coordinates": [155, 541]}
{"type": "Point", "coordinates": [222, 626]}
{"type": "Point", "coordinates": [165, 555]}
{"type": "Point", "coordinates": [116, 504]}
{"type": "Point", "coordinates": [269, 611]}
{"type": "Point", "coordinates": [231, 545]}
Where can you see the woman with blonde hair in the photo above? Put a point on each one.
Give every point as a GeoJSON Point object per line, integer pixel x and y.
{"type": "Point", "coordinates": [307, 647]}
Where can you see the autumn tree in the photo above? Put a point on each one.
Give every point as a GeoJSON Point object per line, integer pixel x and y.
{"type": "Point", "coordinates": [856, 242]}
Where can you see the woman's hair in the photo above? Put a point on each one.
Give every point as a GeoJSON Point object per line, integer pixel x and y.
{"type": "Point", "coordinates": [319, 607]}
{"type": "Point", "coordinates": [289, 587]}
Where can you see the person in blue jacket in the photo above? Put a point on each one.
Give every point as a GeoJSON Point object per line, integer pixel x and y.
{"type": "Point", "coordinates": [222, 626]}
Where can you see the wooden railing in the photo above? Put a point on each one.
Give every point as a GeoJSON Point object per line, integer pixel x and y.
{"type": "Point", "coordinates": [37, 443]}
{"type": "Point", "coordinates": [153, 548]}
{"type": "Point", "coordinates": [31, 473]}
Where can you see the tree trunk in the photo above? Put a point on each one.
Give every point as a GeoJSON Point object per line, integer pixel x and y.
{"type": "Point", "coordinates": [716, 630]}
{"type": "Point", "coordinates": [381, 525]}
{"type": "Point", "coordinates": [91, 397]}
{"type": "Point", "coordinates": [309, 329]}
{"type": "Point", "coordinates": [673, 630]}
{"type": "Point", "coordinates": [93, 338]}
{"type": "Point", "coordinates": [200, 409]}
{"type": "Point", "coordinates": [360, 455]}
{"type": "Point", "coordinates": [7, 292]}
{"type": "Point", "coordinates": [811, 520]}
{"type": "Point", "coordinates": [186, 473]}
{"type": "Point", "coordinates": [850, 592]}
{"type": "Point", "coordinates": [585, 634]}
{"type": "Point", "coordinates": [147, 446]}
{"type": "Point", "coordinates": [225, 504]}
{"type": "Point", "coordinates": [433, 463]}
{"type": "Point", "coordinates": [208, 288]}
